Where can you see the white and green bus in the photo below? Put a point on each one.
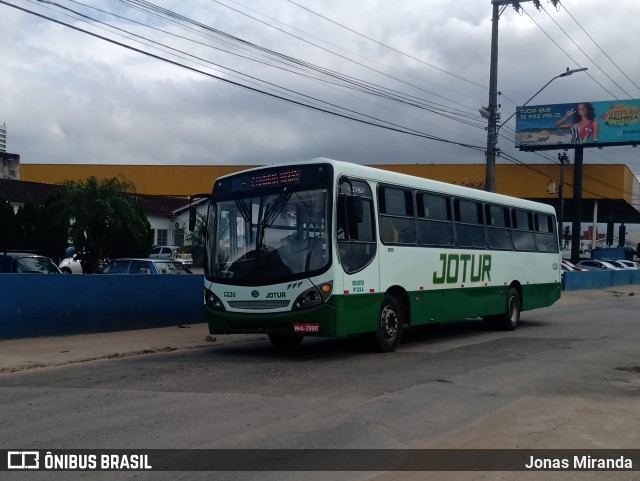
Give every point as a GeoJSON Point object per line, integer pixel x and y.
{"type": "Point", "coordinates": [328, 248]}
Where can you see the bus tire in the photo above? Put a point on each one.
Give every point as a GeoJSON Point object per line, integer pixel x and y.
{"type": "Point", "coordinates": [285, 341]}
{"type": "Point", "coordinates": [509, 320]}
{"type": "Point", "coordinates": [390, 322]}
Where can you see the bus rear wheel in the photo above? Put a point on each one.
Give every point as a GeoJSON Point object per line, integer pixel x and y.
{"type": "Point", "coordinates": [389, 332]}
{"type": "Point", "coordinates": [508, 321]}
{"type": "Point", "coordinates": [285, 341]}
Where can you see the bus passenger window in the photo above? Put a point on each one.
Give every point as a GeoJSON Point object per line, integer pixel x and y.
{"type": "Point", "coordinates": [498, 227]}
{"type": "Point", "coordinates": [523, 239]}
{"type": "Point", "coordinates": [469, 224]}
{"type": "Point", "coordinates": [434, 220]}
{"type": "Point", "coordinates": [397, 224]}
{"type": "Point", "coordinates": [545, 233]}
{"type": "Point", "coordinates": [388, 231]}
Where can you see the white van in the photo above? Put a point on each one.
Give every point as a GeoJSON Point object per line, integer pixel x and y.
{"type": "Point", "coordinates": [171, 252]}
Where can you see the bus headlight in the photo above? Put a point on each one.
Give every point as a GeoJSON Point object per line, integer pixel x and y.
{"type": "Point", "coordinates": [212, 301]}
{"type": "Point", "coordinates": [309, 298]}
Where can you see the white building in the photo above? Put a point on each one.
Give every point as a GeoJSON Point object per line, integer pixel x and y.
{"type": "Point", "coordinates": [3, 137]}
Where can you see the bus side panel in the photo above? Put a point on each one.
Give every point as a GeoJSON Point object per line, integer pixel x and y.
{"type": "Point", "coordinates": [459, 303]}
{"type": "Point", "coordinates": [356, 313]}
{"type": "Point", "coordinates": [540, 295]}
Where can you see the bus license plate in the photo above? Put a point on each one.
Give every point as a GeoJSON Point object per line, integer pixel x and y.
{"type": "Point", "coordinates": [306, 327]}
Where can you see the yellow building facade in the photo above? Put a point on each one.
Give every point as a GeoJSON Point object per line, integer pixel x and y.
{"type": "Point", "coordinates": [610, 192]}
{"type": "Point", "coordinates": [539, 181]}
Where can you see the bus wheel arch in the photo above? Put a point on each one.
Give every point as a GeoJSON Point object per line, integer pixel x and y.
{"type": "Point", "coordinates": [508, 321]}
{"type": "Point", "coordinates": [393, 315]}
{"type": "Point", "coordinates": [509, 318]}
{"type": "Point", "coordinates": [514, 306]}
{"type": "Point", "coordinates": [402, 297]}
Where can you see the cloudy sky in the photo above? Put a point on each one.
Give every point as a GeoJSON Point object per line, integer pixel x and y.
{"type": "Point", "coordinates": [417, 66]}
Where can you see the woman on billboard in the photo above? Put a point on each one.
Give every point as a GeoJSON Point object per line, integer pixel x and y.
{"type": "Point", "coordinates": [583, 123]}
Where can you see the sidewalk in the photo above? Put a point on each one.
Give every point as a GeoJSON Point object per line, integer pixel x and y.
{"type": "Point", "coordinates": [21, 354]}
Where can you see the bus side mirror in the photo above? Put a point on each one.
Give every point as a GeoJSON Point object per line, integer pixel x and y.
{"type": "Point", "coordinates": [193, 213]}
{"type": "Point", "coordinates": [355, 209]}
{"type": "Point", "coordinates": [192, 218]}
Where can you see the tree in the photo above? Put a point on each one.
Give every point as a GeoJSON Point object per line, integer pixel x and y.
{"type": "Point", "coordinates": [199, 233]}
{"type": "Point", "coordinates": [39, 230]}
{"type": "Point", "coordinates": [32, 228]}
{"type": "Point", "coordinates": [197, 239]}
{"type": "Point", "coordinates": [8, 227]}
{"type": "Point", "coordinates": [106, 220]}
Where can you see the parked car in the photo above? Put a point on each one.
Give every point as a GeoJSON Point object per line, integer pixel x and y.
{"type": "Point", "coordinates": [622, 264]}
{"type": "Point", "coordinates": [71, 265]}
{"type": "Point", "coordinates": [26, 263]}
{"type": "Point", "coordinates": [144, 266]}
{"type": "Point", "coordinates": [594, 265]}
{"type": "Point", "coordinates": [570, 266]}
{"type": "Point", "coordinates": [631, 264]}
{"type": "Point", "coordinates": [171, 252]}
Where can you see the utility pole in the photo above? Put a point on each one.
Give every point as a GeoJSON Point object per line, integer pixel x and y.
{"type": "Point", "coordinates": [576, 227]}
{"type": "Point", "coordinates": [492, 126]}
{"type": "Point", "coordinates": [563, 158]}
{"type": "Point", "coordinates": [493, 115]}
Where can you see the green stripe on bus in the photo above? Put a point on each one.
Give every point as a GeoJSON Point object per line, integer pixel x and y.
{"type": "Point", "coordinates": [359, 313]}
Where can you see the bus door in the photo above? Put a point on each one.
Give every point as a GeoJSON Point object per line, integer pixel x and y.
{"type": "Point", "coordinates": [357, 249]}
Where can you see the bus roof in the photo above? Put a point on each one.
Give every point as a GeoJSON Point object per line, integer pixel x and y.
{"type": "Point", "coordinates": [404, 180]}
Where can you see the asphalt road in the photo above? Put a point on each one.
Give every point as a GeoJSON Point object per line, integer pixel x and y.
{"type": "Point", "coordinates": [569, 377]}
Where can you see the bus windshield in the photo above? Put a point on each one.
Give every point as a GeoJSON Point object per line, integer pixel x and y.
{"type": "Point", "coordinates": [268, 238]}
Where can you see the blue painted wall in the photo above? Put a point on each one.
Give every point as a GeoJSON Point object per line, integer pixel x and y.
{"type": "Point", "coordinates": [577, 280]}
{"type": "Point", "coordinates": [33, 305]}
{"type": "Point", "coordinates": [59, 305]}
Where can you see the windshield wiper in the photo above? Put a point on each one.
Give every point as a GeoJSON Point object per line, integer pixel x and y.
{"type": "Point", "coordinates": [244, 210]}
{"type": "Point", "coordinates": [271, 213]}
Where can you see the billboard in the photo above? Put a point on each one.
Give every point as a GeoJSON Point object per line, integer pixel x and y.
{"type": "Point", "coordinates": [588, 124]}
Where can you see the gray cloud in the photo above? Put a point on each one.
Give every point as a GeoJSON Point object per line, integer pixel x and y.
{"type": "Point", "coordinates": [68, 98]}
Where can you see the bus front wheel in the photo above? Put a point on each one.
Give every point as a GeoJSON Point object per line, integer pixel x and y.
{"type": "Point", "coordinates": [389, 332]}
{"type": "Point", "coordinates": [285, 341]}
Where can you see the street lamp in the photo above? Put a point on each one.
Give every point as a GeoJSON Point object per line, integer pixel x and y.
{"type": "Point", "coordinates": [493, 129]}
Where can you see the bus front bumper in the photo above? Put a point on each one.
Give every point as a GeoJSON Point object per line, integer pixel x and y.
{"type": "Point", "coordinates": [322, 316]}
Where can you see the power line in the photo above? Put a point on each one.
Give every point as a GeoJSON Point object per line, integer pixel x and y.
{"type": "Point", "coordinates": [600, 48]}
{"type": "Point", "coordinates": [324, 40]}
{"type": "Point", "coordinates": [254, 80]}
{"type": "Point", "coordinates": [348, 81]}
{"type": "Point", "coordinates": [372, 122]}
{"type": "Point", "coordinates": [342, 56]}
{"type": "Point", "coordinates": [585, 53]}
{"type": "Point", "coordinates": [334, 78]}
{"type": "Point", "coordinates": [567, 54]}
{"type": "Point", "coordinates": [387, 46]}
